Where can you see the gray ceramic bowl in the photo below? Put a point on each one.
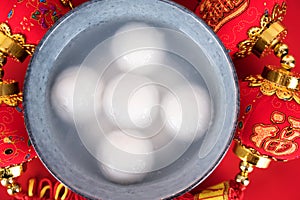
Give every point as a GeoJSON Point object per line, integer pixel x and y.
{"type": "Point", "coordinates": [69, 42]}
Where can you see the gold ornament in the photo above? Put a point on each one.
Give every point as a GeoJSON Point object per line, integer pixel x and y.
{"type": "Point", "coordinates": [261, 40]}
{"type": "Point", "coordinates": [250, 159]}
{"type": "Point", "coordinates": [279, 81]}
{"type": "Point", "coordinates": [7, 178]}
{"type": "Point", "coordinates": [13, 45]}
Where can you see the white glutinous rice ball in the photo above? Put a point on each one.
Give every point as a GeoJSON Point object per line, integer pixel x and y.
{"type": "Point", "coordinates": [128, 101]}
{"type": "Point", "coordinates": [136, 45]}
{"type": "Point", "coordinates": [187, 111]}
{"type": "Point", "coordinates": [76, 94]}
{"type": "Point", "coordinates": [123, 158]}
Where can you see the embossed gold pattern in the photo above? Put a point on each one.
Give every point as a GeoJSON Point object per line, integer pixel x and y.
{"type": "Point", "coordinates": [217, 13]}
{"type": "Point", "coordinates": [261, 40]}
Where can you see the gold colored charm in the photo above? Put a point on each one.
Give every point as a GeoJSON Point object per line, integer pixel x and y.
{"type": "Point", "coordinates": [14, 45]}
{"type": "Point", "coordinates": [280, 81]}
{"type": "Point", "coordinates": [251, 156]}
{"type": "Point", "coordinates": [261, 40]}
{"type": "Point", "coordinates": [249, 159]}
{"type": "Point", "coordinates": [9, 93]}
{"type": "Point", "coordinates": [7, 176]}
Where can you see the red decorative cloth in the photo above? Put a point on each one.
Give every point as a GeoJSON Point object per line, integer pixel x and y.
{"type": "Point", "coordinates": [15, 146]}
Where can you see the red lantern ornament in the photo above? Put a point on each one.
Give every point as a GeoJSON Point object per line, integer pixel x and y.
{"type": "Point", "coordinates": [268, 126]}
{"type": "Point", "coordinates": [269, 122]}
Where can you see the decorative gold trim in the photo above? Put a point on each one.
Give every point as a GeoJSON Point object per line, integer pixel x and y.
{"type": "Point", "coordinates": [270, 87]}
{"type": "Point", "coordinates": [14, 45]}
{"type": "Point", "coordinates": [251, 156]}
{"type": "Point", "coordinates": [262, 39]}
{"type": "Point", "coordinates": [11, 100]}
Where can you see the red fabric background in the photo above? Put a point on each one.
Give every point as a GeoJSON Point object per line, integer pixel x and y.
{"type": "Point", "coordinates": [280, 180]}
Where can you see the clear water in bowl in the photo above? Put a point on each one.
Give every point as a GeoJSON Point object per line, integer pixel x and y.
{"type": "Point", "coordinates": [131, 84]}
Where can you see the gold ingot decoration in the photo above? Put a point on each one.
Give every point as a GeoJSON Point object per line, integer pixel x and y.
{"type": "Point", "coordinates": [7, 178]}
{"type": "Point", "coordinates": [249, 159]}
{"type": "Point", "coordinates": [262, 40]}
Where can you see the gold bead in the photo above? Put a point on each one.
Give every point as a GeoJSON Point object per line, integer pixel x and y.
{"type": "Point", "coordinates": [7, 181]}
{"type": "Point", "coordinates": [287, 62]}
{"type": "Point", "coordinates": [281, 50]}
{"type": "Point", "coordinates": [14, 189]}
{"type": "Point", "coordinates": [246, 167]}
{"type": "Point", "coordinates": [242, 179]}
{"type": "Point", "coordinates": [4, 182]}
